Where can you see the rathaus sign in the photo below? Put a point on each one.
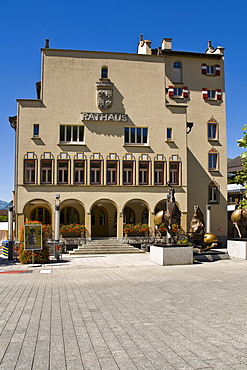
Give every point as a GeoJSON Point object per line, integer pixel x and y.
{"type": "Point", "coordinates": [113, 117]}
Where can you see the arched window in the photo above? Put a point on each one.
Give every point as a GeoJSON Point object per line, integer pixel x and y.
{"type": "Point", "coordinates": [104, 72]}
{"type": "Point", "coordinates": [129, 215]}
{"type": "Point", "coordinates": [145, 216]}
{"type": "Point", "coordinates": [213, 160]}
{"type": "Point", "coordinates": [41, 214]}
{"type": "Point", "coordinates": [177, 72]}
{"type": "Point", "coordinates": [213, 193]}
{"type": "Point", "coordinates": [69, 215]}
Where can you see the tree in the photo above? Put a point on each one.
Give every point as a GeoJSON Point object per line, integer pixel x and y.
{"type": "Point", "coordinates": [241, 176]}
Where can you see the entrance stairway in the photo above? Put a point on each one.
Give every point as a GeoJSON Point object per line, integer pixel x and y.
{"type": "Point", "coordinates": [104, 246]}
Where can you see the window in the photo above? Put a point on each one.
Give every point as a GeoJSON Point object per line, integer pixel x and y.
{"type": "Point", "coordinates": [63, 172]}
{"type": "Point", "coordinates": [213, 157]}
{"type": "Point", "coordinates": [169, 134]}
{"type": "Point", "coordinates": [79, 172]}
{"type": "Point", "coordinates": [29, 170]}
{"type": "Point", "coordinates": [95, 173]}
{"type": "Point", "coordinates": [213, 193]}
{"type": "Point", "coordinates": [71, 134]}
{"type": "Point", "coordinates": [41, 214]}
{"type": "Point", "coordinates": [128, 172]}
{"type": "Point", "coordinates": [212, 129]}
{"type": "Point", "coordinates": [35, 130]}
{"type": "Point", "coordinates": [177, 72]}
{"type": "Point", "coordinates": [145, 216]}
{"type": "Point", "coordinates": [174, 173]}
{"type": "Point", "coordinates": [177, 92]}
{"type": "Point", "coordinates": [135, 135]}
{"type": "Point", "coordinates": [175, 170]}
{"type": "Point", "coordinates": [104, 72]}
{"type": "Point", "coordinates": [129, 215]}
{"type": "Point", "coordinates": [46, 171]}
{"type": "Point", "coordinates": [158, 173]}
{"type": "Point", "coordinates": [212, 70]}
{"type": "Point", "coordinates": [211, 94]}
{"type": "Point", "coordinates": [143, 173]}
{"type": "Point", "coordinates": [111, 172]}
{"type": "Point", "coordinates": [69, 215]}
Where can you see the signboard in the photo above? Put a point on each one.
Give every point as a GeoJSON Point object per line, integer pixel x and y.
{"type": "Point", "coordinates": [110, 117]}
{"type": "Point", "coordinates": [33, 237]}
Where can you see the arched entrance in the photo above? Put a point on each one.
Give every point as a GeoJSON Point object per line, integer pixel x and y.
{"type": "Point", "coordinates": [136, 211]}
{"type": "Point", "coordinates": [99, 221]}
{"type": "Point", "coordinates": [103, 219]}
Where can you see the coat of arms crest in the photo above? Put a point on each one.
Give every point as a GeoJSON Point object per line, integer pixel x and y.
{"type": "Point", "coordinates": [105, 98]}
{"type": "Point", "coordinates": [104, 94]}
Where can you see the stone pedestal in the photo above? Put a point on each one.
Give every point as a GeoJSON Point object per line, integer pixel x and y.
{"type": "Point", "coordinates": [171, 255]}
{"type": "Point", "coordinates": [237, 248]}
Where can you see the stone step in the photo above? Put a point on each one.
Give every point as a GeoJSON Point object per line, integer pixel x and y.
{"type": "Point", "coordinates": [212, 255]}
{"type": "Point", "coordinates": [105, 246]}
{"type": "Point", "coordinates": [105, 251]}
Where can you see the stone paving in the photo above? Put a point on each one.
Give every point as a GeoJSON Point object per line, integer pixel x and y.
{"type": "Point", "coordinates": [123, 312]}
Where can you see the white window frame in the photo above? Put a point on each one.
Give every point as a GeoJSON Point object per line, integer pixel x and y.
{"type": "Point", "coordinates": [46, 171]}
{"type": "Point", "coordinates": [70, 132]}
{"type": "Point", "coordinates": [79, 171]}
{"type": "Point", "coordinates": [216, 161]}
{"type": "Point", "coordinates": [129, 173]}
{"type": "Point", "coordinates": [30, 171]}
{"type": "Point", "coordinates": [63, 171]}
{"type": "Point", "coordinates": [159, 173]}
{"type": "Point", "coordinates": [111, 171]}
{"type": "Point", "coordinates": [213, 194]}
{"type": "Point", "coordinates": [143, 174]}
{"type": "Point", "coordinates": [210, 130]}
{"type": "Point", "coordinates": [174, 174]}
{"type": "Point", "coordinates": [135, 131]}
{"type": "Point", "coordinates": [176, 92]}
{"type": "Point", "coordinates": [211, 94]}
{"type": "Point", "coordinates": [210, 70]}
{"type": "Point", "coordinates": [96, 173]}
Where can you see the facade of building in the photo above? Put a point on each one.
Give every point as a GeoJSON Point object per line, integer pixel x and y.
{"type": "Point", "coordinates": [108, 130]}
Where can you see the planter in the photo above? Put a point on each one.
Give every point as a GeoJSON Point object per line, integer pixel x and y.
{"type": "Point", "coordinates": [237, 248]}
{"type": "Point", "coordinates": [72, 235]}
{"type": "Point", "coordinates": [169, 255]}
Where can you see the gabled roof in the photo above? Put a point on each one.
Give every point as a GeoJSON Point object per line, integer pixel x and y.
{"type": "Point", "coordinates": [235, 164]}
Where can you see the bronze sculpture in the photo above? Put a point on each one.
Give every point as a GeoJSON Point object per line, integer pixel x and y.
{"type": "Point", "coordinates": [197, 234]}
{"type": "Point", "coordinates": [238, 217]}
{"type": "Point", "coordinates": [171, 216]}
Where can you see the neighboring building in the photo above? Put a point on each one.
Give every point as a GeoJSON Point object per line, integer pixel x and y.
{"type": "Point", "coordinates": [108, 130]}
{"type": "Point", "coordinates": [234, 192]}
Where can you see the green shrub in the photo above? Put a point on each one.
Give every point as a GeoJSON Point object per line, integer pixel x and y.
{"type": "Point", "coordinates": [42, 256]}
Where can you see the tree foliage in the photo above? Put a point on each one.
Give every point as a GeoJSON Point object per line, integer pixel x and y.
{"type": "Point", "coordinates": [241, 176]}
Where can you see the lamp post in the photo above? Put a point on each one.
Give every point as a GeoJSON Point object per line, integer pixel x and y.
{"type": "Point", "coordinates": [208, 218]}
{"type": "Point", "coordinates": [57, 224]}
{"type": "Point", "coordinates": [10, 233]}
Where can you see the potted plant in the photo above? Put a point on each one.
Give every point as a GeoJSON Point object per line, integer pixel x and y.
{"type": "Point", "coordinates": [72, 230]}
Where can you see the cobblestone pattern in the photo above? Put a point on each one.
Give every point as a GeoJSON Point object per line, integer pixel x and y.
{"type": "Point", "coordinates": [129, 317]}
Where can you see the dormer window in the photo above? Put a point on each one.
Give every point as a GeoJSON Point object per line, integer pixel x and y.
{"type": "Point", "coordinates": [104, 72]}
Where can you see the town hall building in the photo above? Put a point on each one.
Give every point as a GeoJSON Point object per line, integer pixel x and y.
{"type": "Point", "coordinates": [108, 131]}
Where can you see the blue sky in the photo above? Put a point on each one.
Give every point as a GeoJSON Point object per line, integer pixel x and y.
{"type": "Point", "coordinates": [114, 26]}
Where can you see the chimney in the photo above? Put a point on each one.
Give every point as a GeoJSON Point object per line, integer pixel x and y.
{"type": "Point", "coordinates": [47, 44]}
{"type": "Point", "coordinates": [166, 44]}
{"type": "Point", "coordinates": [144, 46]}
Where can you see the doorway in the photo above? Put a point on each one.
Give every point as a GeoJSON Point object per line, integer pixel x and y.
{"type": "Point", "coordinates": [99, 222]}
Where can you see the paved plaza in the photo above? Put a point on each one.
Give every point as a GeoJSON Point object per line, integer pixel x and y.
{"type": "Point", "coordinates": [123, 312]}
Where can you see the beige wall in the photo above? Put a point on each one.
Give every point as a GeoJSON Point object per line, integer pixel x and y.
{"type": "Point", "coordinates": [69, 88]}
